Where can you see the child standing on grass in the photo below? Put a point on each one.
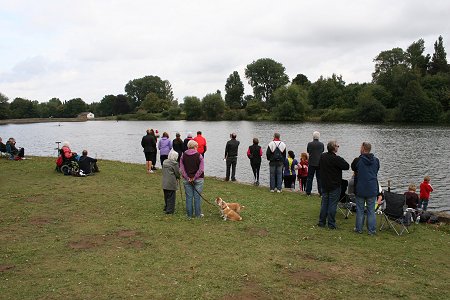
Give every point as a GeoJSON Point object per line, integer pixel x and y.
{"type": "Point", "coordinates": [170, 174]}
{"type": "Point", "coordinates": [425, 190]}
{"type": "Point", "coordinates": [303, 171]}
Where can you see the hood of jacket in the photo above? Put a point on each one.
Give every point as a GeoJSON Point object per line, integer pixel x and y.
{"type": "Point", "coordinates": [367, 159]}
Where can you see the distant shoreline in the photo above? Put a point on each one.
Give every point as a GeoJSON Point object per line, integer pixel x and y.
{"type": "Point", "coordinates": [39, 120]}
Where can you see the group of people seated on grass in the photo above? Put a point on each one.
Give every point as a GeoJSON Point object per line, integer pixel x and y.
{"type": "Point", "coordinates": [78, 165]}
{"type": "Point", "coordinates": [10, 150]}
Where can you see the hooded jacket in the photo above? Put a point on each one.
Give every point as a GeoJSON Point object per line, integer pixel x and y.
{"type": "Point", "coordinates": [366, 167]}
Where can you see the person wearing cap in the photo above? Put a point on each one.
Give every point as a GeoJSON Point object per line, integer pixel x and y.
{"type": "Point", "coordinates": [177, 145]}
{"type": "Point", "coordinates": [314, 149]}
{"type": "Point", "coordinates": [148, 142]}
{"type": "Point", "coordinates": [201, 141]}
{"type": "Point", "coordinates": [231, 154]}
{"type": "Point", "coordinates": [186, 141]}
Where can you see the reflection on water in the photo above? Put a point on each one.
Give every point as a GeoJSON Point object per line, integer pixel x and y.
{"type": "Point", "coordinates": [406, 153]}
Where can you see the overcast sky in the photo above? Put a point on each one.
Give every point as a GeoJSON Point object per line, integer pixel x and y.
{"type": "Point", "coordinates": [89, 49]}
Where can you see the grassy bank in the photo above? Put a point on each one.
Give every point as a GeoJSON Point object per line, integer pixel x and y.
{"type": "Point", "coordinates": [105, 237]}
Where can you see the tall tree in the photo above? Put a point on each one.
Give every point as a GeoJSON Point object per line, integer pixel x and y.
{"type": "Point", "coordinates": [386, 61]}
{"type": "Point", "coordinates": [290, 103]}
{"type": "Point", "coordinates": [327, 92]}
{"type": "Point", "coordinates": [4, 107]}
{"type": "Point", "coordinates": [213, 106]}
{"type": "Point", "coordinates": [265, 75]}
{"type": "Point", "coordinates": [234, 89]}
{"type": "Point", "coordinates": [73, 107]}
{"type": "Point", "coordinates": [439, 60]}
{"type": "Point", "coordinates": [139, 88]}
{"type": "Point", "coordinates": [23, 108]}
{"type": "Point", "coordinates": [415, 58]}
{"type": "Point", "coordinates": [193, 108]}
{"type": "Point", "coordinates": [301, 80]}
{"type": "Point", "coordinates": [415, 106]}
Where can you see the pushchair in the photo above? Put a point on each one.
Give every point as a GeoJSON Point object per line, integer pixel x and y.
{"type": "Point", "coordinates": [67, 166]}
{"type": "Point", "coordinates": [346, 202]}
{"type": "Point", "coordinates": [394, 213]}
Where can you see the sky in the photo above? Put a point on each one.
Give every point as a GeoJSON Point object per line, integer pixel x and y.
{"type": "Point", "coordinates": [88, 49]}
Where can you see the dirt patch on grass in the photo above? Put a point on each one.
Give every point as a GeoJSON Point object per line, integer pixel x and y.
{"type": "Point", "coordinates": [302, 275]}
{"type": "Point", "coordinates": [4, 268]}
{"type": "Point", "coordinates": [40, 221]}
{"type": "Point", "coordinates": [122, 238]}
{"type": "Point", "coordinates": [261, 232]}
{"type": "Point", "coordinates": [250, 291]}
{"type": "Point", "coordinates": [126, 233]}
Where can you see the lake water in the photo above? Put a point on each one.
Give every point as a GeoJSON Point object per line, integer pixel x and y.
{"type": "Point", "coordinates": [406, 153]}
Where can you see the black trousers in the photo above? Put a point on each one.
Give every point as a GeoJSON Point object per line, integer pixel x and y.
{"type": "Point", "coordinates": [231, 163]}
{"type": "Point", "coordinates": [169, 201]}
{"type": "Point", "coordinates": [255, 168]}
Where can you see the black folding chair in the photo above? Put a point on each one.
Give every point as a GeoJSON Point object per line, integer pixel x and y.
{"type": "Point", "coordinates": [393, 213]}
{"type": "Point", "coordinates": [346, 201]}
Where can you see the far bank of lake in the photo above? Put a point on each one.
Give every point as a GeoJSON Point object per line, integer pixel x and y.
{"type": "Point", "coordinates": [407, 153]}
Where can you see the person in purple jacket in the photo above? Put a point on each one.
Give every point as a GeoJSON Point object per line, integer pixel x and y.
{"type": "Point", "coordinates": [164, 146]}
{"type": "Point", "coordinates": [192, 171]}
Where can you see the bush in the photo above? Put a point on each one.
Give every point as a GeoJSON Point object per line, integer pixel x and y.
{"type": "Point", "coordinates": [338, 115]}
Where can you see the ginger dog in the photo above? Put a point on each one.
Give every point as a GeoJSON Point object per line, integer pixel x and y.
{"type": "Point", "coordinates": [234, 206]}
{"type": "Point", "coordinates": [229, 214]}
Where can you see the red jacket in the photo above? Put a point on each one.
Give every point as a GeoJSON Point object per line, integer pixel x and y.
{"type": "Point", "coordinates": [303, 168]}
{"type": "Point", "coordinates": [425, 190]}
{"type": "Point", "coordinates": [201, 141]}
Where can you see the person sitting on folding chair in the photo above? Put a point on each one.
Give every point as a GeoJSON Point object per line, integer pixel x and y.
{"type": "Point", "coordinates": [366, 168]}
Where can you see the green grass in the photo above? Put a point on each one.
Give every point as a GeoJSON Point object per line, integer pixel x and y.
{"type": "Point", "coordinates": [105, 237]}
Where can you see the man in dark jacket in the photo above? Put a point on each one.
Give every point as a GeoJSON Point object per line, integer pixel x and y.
{"type": "Point", "coordinates": [231, 154]}
{"type": "Point", "coordinates": [366, 168]}
{"type": "Point", "coordinates": [314, 149]}
{"type": "Point", "coordinates": [149, 144]}
{"type": "Point", "coordinates": [331, 167]}
{"type": "Point", "coordinates": [87, 164]}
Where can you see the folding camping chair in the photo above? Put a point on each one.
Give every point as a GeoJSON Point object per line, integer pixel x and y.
{"type": "Point", "coordinates": [394, 214]}
{"type": "Point", "coordinates": [346, 201]}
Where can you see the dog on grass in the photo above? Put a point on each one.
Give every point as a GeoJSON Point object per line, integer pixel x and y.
{"type": "Point", "coordinates": [229, 210]}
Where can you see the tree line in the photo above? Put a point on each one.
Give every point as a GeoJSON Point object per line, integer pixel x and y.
{"type": "Point", "coordinates": [407, 86]}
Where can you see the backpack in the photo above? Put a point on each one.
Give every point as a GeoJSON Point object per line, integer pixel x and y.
{"type": "Point", "coordinates": [277, 154]}
{"type": "Point", "coordinates": [433, 219]}
{"type": "Point", "coordinates": [424, 217]}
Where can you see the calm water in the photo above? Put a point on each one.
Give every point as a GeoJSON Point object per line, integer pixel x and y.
{"type": "Point", "coordinates": [406, 153]}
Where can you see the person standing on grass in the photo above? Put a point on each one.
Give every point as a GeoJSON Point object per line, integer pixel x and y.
{"type": "Point", "coordinates": [314, 149]}
{"type": "Point", "coordinates": [148, 142]}
{"type": "Point", "coordinates": [331, 167]}
{"type": "Point", "coordinates": [164, 146]}
{"type": "Point", "coordinates": [170, 174]}
{"type": "Point", "coordinates": [201, 141]}
{"type": "Point", "coordinates": [366, 168]}
{"type": "Point", "coordinates": [177, 145]}
{"type": "Point", "coordinates": [192, 171]}
{"type": "Point", "coordinates": [425, 190]}
{"type": "Point", "coordinates": [276, 154]}
{"type": "Point", "coordinates": [186, 141]}
{"type": "Point", "coordinates": [254, 153]}
{"type": "Point", "coordinates": [303, 171]}
{"type": "Point", "coordinates": [290, 165]}
{"type": "Point", "coordinates": [231, 154]}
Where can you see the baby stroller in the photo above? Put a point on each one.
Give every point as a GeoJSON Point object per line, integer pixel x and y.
{"type": "Point", "coordinates": [67, 166]}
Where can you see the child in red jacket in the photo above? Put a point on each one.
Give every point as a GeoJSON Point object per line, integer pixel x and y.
{"type": "Point", "coordinates": [425, 190]}
{"type": "Point", "coordinates": [302, 171]}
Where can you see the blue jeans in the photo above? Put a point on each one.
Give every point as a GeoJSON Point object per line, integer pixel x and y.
{"type": "Point", "coordinates": [328, 208]}
{"type": "Point", "coordinates": [423, 204]}
{"type": "Point", "coordinates": [361, 204]}
{"type": "Point", "coordinates": [276, 174]}
{"type": "Point", "coordinates": [193, 196]}
{"type": "Point", "coordinates": [309, 181]}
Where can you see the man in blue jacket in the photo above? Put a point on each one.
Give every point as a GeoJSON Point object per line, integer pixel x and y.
{"type": "Point", "coordinates": [366, 168]}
